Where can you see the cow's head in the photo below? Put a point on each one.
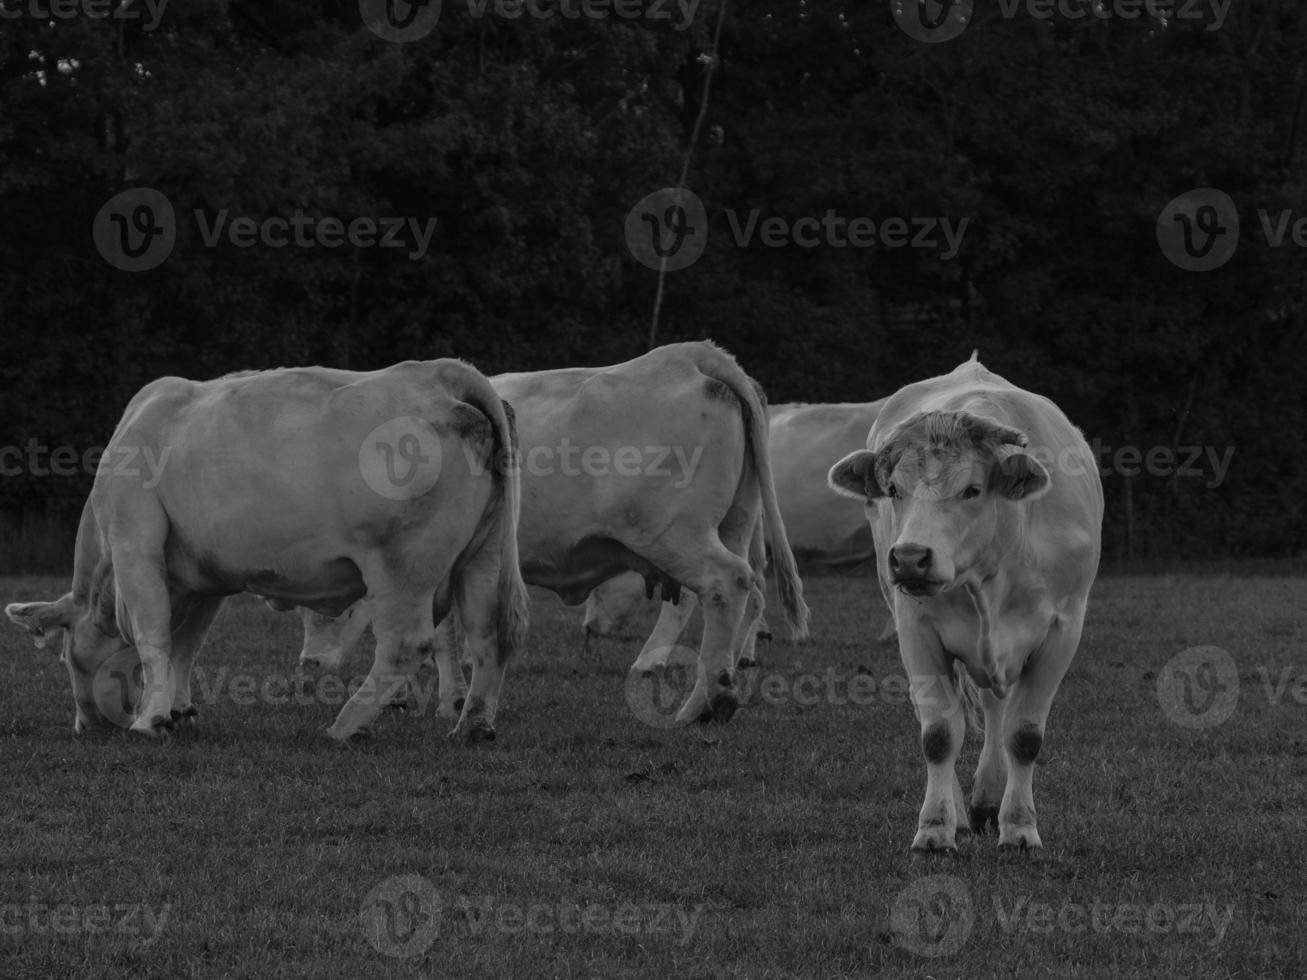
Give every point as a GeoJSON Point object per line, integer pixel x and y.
{"type": "Point", "coordinates": [104, 668]}
{"type": "Point", "coordinates": [328, 640]}
{"type": "Point", "coordinates": [946, 481]}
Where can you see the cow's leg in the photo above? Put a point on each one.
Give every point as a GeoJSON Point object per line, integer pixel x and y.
{"type": "Point", "coordinates": [401, 621]}
{"type": "Point", "coordinates": [1023, 729]}
{"type": "Point", "coordinates": [722, 584]}
{"type": "Point", "coordinates": [476, 596]}
{"type": "Point", "coordinates": [672, 620]}
{"type": "Point", "coordinates": [943, 727]}
{"type": "Point", "coordinates": [142, 586]}
{"type": "Point", "coordinates": [186, 641]}
{"type": "Point", "coordinates": [452, 685]}
{"type": "Point", "coordinates": [746, 655]}
{"type": "Point", "coordinates": [991, 769]}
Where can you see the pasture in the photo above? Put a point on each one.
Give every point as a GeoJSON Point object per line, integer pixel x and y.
{"type": "Point", "coordinates": [586, 843]}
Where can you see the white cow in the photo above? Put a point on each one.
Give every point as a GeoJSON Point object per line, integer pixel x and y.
{"type": "Point", "coordinates": [987, 510]}
{"type": "Point", "coordinates": [803, 440]}
{"type": "Point", "coordinates": [309, 486]}
{"type": "Point", "coordinates": [659, 465]}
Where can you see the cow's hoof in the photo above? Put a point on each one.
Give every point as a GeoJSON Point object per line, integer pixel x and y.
{"type": "Point", "coordinates": [186, 716]}
{"type": "Point", "coordinates": [982, 816]}
{"type": "Point", "coordinates": [745, 663]}
{"type": "Point", "coordinates": [1019, 842]}
{"type": "Point", "coordinates": [156, 726]}
{"type": "Point", "coordinates": [764, 634]}
{"type": "Point", "coordinates": [721, 709]}
{"type": "Point", "coordinates": [458, 704]}
{"type": "Point", "coordinates": [934, 842]}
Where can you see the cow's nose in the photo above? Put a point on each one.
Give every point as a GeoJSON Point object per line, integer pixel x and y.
{"type": "Point", "coordinates": [909, 561]}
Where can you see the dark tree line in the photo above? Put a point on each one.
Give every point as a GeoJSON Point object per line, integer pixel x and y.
{"type": "Point", "coordinates": [528, 140]}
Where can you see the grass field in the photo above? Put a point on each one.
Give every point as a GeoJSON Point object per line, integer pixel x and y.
{"type": "Point", "coordinates": [585, 843]}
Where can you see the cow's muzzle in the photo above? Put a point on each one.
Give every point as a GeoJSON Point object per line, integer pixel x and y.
{"type": "Point", "coordinates": [910, 570]}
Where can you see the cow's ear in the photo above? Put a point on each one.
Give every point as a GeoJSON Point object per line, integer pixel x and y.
{"type": "Point", "coordinates": [43, 620]}
{"type": "Point", "coordinates": [1019, 476]}
{"type": "Point", "coordinates": [855, 476]}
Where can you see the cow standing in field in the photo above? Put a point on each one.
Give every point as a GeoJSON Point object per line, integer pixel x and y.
{"type": "Point", "coordinates": [658, 465]}
{"type": "Point", "coordinates": [803, 441]}
{"type": "Point", "coordinates": [308, 486]}
{"type": "Point", "coordinates": [987, 510]}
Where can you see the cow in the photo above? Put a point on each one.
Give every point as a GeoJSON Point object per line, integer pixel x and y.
{"type": "Point", "coordinates": [308, 486]}
{"type": "Point", "coordinates": [986, 510]}
{"type": "Point", "coordinates": [803, 441]}
{"type": "Point", "coordinates": [657, 465]}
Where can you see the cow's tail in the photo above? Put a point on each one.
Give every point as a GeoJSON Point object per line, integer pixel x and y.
{"type": "Point", "coordinates": [723, 368]}
{"type": "Point", "coordinates": [514, 605]}
{"type": "Point", "coordinates": [969, 696]}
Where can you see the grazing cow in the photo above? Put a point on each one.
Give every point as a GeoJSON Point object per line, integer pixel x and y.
{"type": "Point", "coordinates": [987, 510]}
{"type": "Point", "coordinates": [658, 465]}
{"type": "Point", "coordinates": [308, 486]}
{"type": "Point", "coordinates": [803, 440]}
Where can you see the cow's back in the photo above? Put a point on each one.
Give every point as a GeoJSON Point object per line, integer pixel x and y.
{"type": "Point", "coordinates": [805, 441]}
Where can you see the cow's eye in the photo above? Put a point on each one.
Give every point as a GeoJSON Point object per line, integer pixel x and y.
{"type": "Point", "coordinates": [970, 493]}
{"type": "Point", "coordinates": [892, 492]}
